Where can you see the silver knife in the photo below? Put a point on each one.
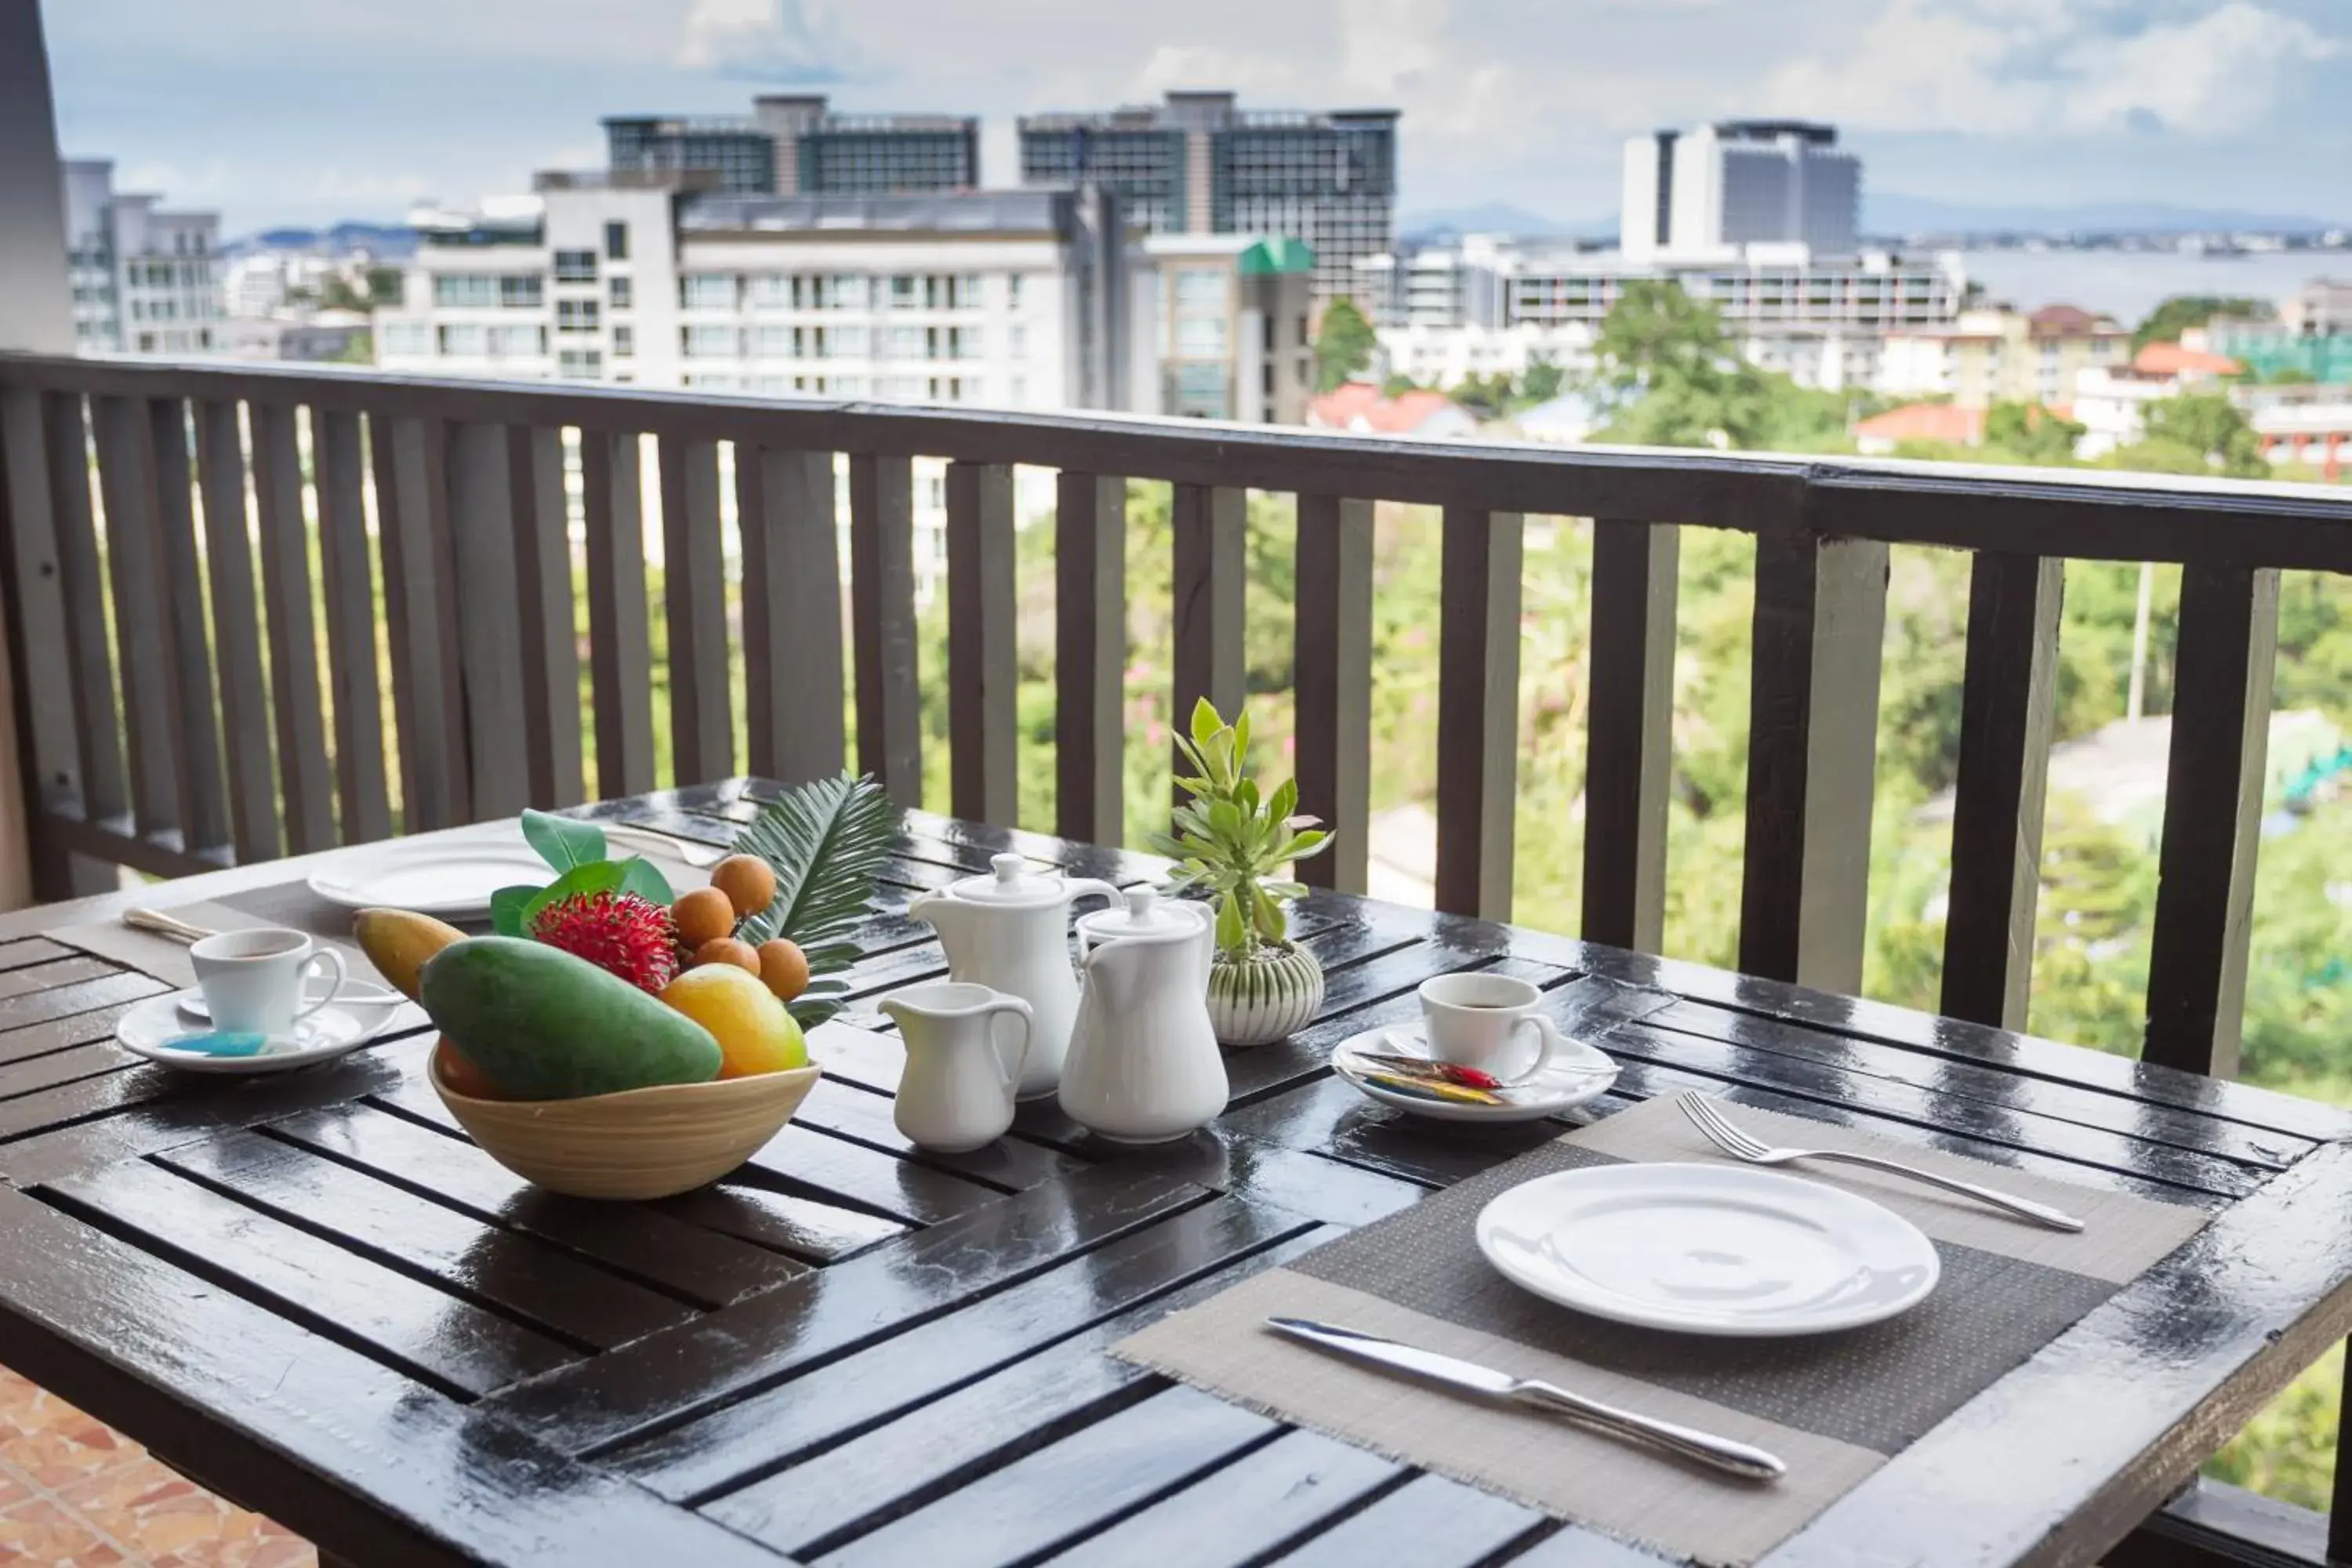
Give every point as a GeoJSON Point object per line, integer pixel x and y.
{"type": "Point", "coordinates": [1501, 1387]}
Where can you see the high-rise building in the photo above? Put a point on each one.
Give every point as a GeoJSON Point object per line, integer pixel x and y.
{"type": "Point", "coordinates": [144, 281]}
{"type": "Point", "coordinates": [1234, 340]}
{"type": "Point", "coordinates": [1198, 163]}
{"type": "Point", "coordinates": [1016, 299]}
{"type": "Point", "coordinates": [793, 145]}
{"type": "Point", "coordinates": [1705, 193]}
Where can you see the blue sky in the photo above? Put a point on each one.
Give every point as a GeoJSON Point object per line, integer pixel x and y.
{"type": "Point", "coordinates": [304, 111]}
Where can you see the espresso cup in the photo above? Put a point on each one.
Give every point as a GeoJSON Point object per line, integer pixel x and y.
{"type": "Point", "coordinates": [252, 980]}
{"type": "Point", "coordinates": [1485, 1021]}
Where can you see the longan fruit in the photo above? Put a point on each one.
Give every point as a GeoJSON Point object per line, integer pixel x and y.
{"type": "Point", "coordinates": [748, 882]}
{"type": "Point", "coordinates": [784, 967]}
{"type": "Point", "coordinates": [703, 915]}
{"type": "Point", "coordinates": [727, 949]}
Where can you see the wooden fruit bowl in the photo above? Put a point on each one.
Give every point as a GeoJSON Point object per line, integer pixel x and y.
{"type": "Point", "coordinates": [637, 1144]}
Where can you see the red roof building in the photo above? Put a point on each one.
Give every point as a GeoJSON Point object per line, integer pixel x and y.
{"type": "Point", "coordinates": [1945, 422]}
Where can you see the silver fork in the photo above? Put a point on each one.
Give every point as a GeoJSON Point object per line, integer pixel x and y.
{"type": "Point", "coordinates": [1741, 1145]}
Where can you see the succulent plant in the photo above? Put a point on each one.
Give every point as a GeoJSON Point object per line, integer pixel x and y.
{"type": "Point", "coordinates": [1229, 842]}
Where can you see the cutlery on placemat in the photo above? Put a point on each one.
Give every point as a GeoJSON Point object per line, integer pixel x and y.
{"type": "Point", "coordinates": [162, 924]}
{"type": "Point", "coordinates": [1740, 1145]}
{"type": "Point", "coordinates": [1500, 1387]}
{"type": "Point", "coordinates": [692, 851]}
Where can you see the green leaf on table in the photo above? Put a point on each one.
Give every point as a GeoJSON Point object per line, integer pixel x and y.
{"type": "Point", "coordinates": [643, 877]}
{"type": "Point", "coordinates": [563, 842]}
{"type": "Point", "coordinates": [506, 909]}
{"type": "Point", "coordinates": [826, 840]}
{"type": "Point", "coordinates": [595, 877]}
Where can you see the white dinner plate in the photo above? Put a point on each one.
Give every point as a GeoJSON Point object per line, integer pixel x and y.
{"type": "Point", "coordinates": [158, 1030]}
{"type": "Point", "coordinates": [1577, 1072]}
{"type": "Point", "coordinates": [1708, 1249]}
{"type": "Point", "coordinates": [430, 879]}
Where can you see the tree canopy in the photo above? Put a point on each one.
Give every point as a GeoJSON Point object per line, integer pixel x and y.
{"type": "Point", "coordinates": [2181, 312]}
{"type": "Point", "coordinates": [1344, 345]}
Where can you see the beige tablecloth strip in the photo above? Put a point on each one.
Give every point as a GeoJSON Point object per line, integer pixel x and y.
{"type": "Point", "coordinates": [1835, 1406]}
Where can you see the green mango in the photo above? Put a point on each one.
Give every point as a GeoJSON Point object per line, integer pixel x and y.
{"type": "Point", "coordinates": [546, 1025]}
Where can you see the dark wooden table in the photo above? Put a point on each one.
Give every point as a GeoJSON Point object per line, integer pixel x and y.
{"type": "Point", "coordinates": [310, 1293]}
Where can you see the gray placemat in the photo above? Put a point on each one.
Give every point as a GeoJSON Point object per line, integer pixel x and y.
{"type": "Point", "coordinates": [1835, 1405]}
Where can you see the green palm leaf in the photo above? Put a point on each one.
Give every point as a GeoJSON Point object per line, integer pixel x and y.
{"type": "Point", "coordinates": [826, 840]}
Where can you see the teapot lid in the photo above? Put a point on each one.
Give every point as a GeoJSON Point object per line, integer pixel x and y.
{"type": "Point", "coordinates": [1010, 884]}
{"type": "Point", "coordinates": [1145, 915]}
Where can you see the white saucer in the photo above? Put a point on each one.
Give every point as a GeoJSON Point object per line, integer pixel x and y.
{"type": "Point", "coordinates": [449, 880]}
{"type": "Point", "coordinates": [355, 996]}
{"type": "Point", "coordinates": [149, 1030]}
{"type": "Point", "coordinates": [1577, 1072]}
{"type": "Point", "coordinates": [1708, 1249]}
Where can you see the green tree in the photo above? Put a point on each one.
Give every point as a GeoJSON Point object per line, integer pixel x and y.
{"type": "Point", "coordinates": [2028, 432]}
{"type": "Point", "coordinates": [383, 285]}
{"type": "Point", "coordinates": [1487, 396]}
{"type": "Point", "coordinates": [2177, 314]}
{"type": "Point", "coordinates": [1345, 344]}
{"type": "Point", "coordinates": [1397, 386]}
{"type": "Point", "coordinates": [337, 294]}
{"type": "Point", "coordinates": [1542, 383]}
{"type": "Point", "coordinates": [2196, 433]}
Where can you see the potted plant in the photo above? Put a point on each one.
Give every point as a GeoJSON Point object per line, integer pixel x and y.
{"type": "Point", "coordinates": [1229, 845]}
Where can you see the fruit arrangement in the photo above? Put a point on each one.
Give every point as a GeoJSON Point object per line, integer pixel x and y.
{"type": "Point", "coordinates": [604, 981]}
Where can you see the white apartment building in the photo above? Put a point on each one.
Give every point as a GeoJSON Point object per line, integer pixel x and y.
{"type": "Point", "coordinates": [1234, 319]}
{"type": "Point", "coordinates": [1034, 299]}
{"type": "Point", "coordinates": [144, 281]}
{"type": "Point", "coordinates": [1708, 191]}
{"type": "Point", "coordinates": [1821, 318]}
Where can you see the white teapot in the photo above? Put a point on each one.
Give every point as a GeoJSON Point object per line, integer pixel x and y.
{"type": "Point", "coordinates": [1144, 1066]}
{"type": "Point", "coordinates": [1010, 930]}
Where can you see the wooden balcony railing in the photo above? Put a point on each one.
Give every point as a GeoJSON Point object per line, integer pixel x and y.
{"type": "Point", "coordinates": [172, 701]}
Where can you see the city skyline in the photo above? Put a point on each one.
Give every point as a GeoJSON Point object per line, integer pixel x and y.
{"type": "Point", "coordinates": [280, 113]}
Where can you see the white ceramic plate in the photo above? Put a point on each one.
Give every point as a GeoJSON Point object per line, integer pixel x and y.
{"type": "Point", "coordinates": [1708, 1249]}
{"type": "Point", "coordinates": [430, 879]}
{"type": "Point", "coordinates": [150, 1030]}
{"type": "Point", "coordinates": [1577, 1072]}
{"type": "Point", "coordinates": [354, 995]}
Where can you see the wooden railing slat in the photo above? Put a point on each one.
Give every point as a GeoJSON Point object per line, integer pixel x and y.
{"type": "Point", "coordinates": [421, 612]}
{"type": "Point", "coordinates": [40, 601]}
{"type": "Point", "coordinates": [126, 487]}
{"type": "Point", "coordinates": [551, 645]}
{"type": "Point", "coordinates": [1820, 617]}
{"type": "Point", "coordinates": [353, 676]}
{"type": "Point", "coordinates": [195, 745]}
{"type": "Point", "coordinates": [1333, 673]}
{"type": "Point", "coordinates": [983, 668]}
{"type": "Point", "coordinates": [490, 631]}
{"type": "Point", "coordinates": [1089, 657]}
{"type": "Point", "coordinates": [620, 645]}
{"type": "Point", "coordinates": [882, 623]}
{"type": "Point", "coordinates": [1628, 749]}
{"type": "Point", "coordinates": [302, 778]}
{"type": "Point", "coordinates": [237, 633]}
{"type": "Point", "coordinates": [1478, 711]}
{"type": "Point", "coordinates": [2223, 665]}
{"type": "Point", "coordinates": [791, 612]}
{"type": "Point", "coordinates": [1211, 528]}
{"type": "Point", "coordinates": [87, 656]}
{"type": "Point", "coordinates": [2008, 708]}
{"type": "Point", "coordinates": [694, 579]}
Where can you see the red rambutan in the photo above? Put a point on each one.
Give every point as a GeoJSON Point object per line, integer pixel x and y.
{"type": "Point", "coordinates": [618, 933]}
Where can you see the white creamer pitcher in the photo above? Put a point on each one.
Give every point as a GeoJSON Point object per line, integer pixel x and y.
{"type": "Point", "coordinates": [1144, 1066]}
{"type": "Point", "coordinates": [1010, 930]}
{"type": "Point", "coordinates": [957, 1092]}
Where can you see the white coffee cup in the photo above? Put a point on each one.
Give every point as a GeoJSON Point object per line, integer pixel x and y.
{"type": "Point", "coordinates": [1477, 1020]}
{"type": "Point", "coordinates": [253, 980]}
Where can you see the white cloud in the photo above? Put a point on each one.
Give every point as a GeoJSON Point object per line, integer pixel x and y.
{"type": "Point", "coordinates": [788, 40]}
{"type": "Point", "coordinates": [2021, 67]}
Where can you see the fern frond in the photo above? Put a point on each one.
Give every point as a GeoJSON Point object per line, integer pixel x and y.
{"type": "Point", "coordinates": [826, 840]}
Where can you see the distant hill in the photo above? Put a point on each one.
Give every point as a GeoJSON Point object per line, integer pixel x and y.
{"type": "Point", "coordinates": [1892, 214]}
{"type": "Point", "coordinates": [1498, 217]}
{"type": "Point", "coordinates": [389, 240]}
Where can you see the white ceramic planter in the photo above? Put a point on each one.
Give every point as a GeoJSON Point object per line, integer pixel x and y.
{"type": "Point", "coordinates": [1266, 997]}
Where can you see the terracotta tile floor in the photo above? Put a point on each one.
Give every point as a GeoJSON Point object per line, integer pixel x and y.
{"type": "Point", "coordinates": [75, 1492]}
